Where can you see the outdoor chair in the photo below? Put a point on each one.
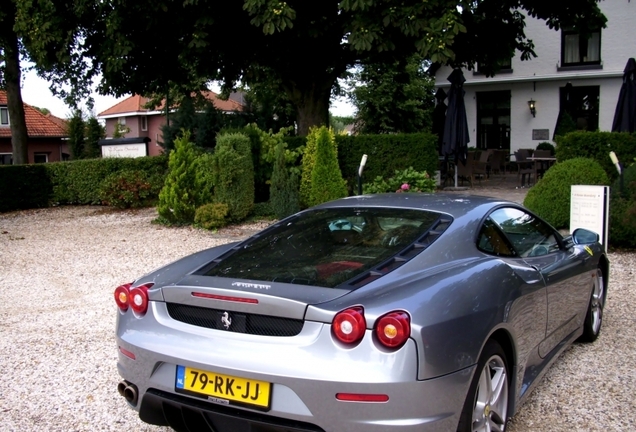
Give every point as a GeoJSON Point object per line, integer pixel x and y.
{"type": "Point", "coordinates": [465, 172]}
{"type": "Point", "coordinates": [524, 167]}
{"type": "Point", "coordinates": [541, 166]}
{"type": "Point", "coordinates": [480, 164]}
{"type": "Point", "coordinates": [498, 161]}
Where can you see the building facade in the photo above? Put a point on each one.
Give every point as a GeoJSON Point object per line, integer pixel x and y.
{"type": "Point", "coordinates": [141, 122]}
{"type": "Point", "coordinates": [571, 74]}
{"type": "Point", "coordinates": [47, 136]}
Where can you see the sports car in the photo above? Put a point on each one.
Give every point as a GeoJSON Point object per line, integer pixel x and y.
{"type": "Point", "coordinates": [389, 312]}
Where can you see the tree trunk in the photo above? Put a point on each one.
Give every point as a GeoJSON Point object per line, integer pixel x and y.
{"type": "Point", "coordinates": [312, 105]}
{"type": "Point", "coordinates": [17, 121]}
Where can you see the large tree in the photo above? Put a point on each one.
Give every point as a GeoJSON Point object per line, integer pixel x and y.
{"type": "Point", "coordinates": [393, 97]}
{"type": "Point", "coordinates": [145, 45]}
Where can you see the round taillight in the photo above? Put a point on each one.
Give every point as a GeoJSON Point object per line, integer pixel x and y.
{"type": "Point", "coordinates": [139, 299]}
{"type": "Point", "coordinates": [393, 329]}
{"type": "Point", "coordinates": [121, 296]}
{"type": "Point", "coordinates": [349, 325]}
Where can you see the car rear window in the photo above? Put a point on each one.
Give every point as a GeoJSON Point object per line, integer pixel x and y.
{"type": "Point", "coordinates": [324, 247]}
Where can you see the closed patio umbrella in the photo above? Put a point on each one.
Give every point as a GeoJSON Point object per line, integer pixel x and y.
{"type": "Point", "coordinates": [455, 139]}
{"type": "Point", "coordinates": [439, 118]}
{"type": "Point", "coordinates": [625, 114]}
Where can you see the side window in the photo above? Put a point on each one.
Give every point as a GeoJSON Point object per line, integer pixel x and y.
{"type": "Point", "coordinates": [528, 235]}
{"type": "Point", "coordinates": [492, 241]}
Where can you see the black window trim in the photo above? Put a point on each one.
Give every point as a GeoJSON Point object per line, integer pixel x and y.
{"type": "Point", "coordinates": [596, 64]}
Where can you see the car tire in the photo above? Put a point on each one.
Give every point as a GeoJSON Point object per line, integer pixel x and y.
{"type": "Point", "coordinates": [594, 316]}
{"type": "Point", "coordinates": [486, 405]}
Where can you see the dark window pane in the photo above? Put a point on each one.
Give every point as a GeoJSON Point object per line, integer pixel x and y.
{"type": "Point", "coordinates": [527, 234]}
{"type": "Point", "coordinates": [326, 247]}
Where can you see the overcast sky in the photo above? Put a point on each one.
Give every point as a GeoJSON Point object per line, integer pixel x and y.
{"type": "Point", "coordinates": [35, 92]}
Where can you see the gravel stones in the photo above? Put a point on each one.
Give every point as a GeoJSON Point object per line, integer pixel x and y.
{"type": "Point", "coordinates": [58, 270]}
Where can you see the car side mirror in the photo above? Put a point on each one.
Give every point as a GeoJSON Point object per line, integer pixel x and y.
{"type": "Point", "coordinates": [584, 236]}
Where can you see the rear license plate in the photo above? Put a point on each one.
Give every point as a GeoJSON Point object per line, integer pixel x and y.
{"type": "Point", "coordinates": [223, 388]}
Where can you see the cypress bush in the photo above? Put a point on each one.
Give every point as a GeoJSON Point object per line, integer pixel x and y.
{"type": "Point", "coordinates": [622, 229]}
{"type": "Point", "coordinates": [283, 191]}
{"type": "Point", "coordinates": [234, 175]}
{"type": "Point", "coordinates": [308, 161]}
{"type": "Point", "coordinates": [178, 199]}
{"type": "Point", "coordinates": [550, 197]}
{"type": "Point", "coordinates": [326, 179]}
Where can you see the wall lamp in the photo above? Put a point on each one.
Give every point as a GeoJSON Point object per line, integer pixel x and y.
{"type": "Point", "coordinates": [533, 107]}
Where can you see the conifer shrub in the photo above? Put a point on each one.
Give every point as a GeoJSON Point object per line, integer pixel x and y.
{"type": "Point", "coordinates": [234, 175]}
{"type": "Point", "coordinates": [326, 178]}
{"type": "Point", "coordinates": [178, 199]}
{"type": "Point", "coordinates": [211, 216]}
{"type": "Point", "coordinates": [283, 191]}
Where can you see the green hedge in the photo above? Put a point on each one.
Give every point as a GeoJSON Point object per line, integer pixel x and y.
{"type": "Point", "coordinates": [597, 145]}
{"type": "Point", "coordinates": [24, 187]}
{"type": "Point", "coordinates": [387, 153]}
{"type": "Point", "coordinates": [73, 182]}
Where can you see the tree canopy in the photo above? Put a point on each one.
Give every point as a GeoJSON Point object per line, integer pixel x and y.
{"type": "Point", "coordinates": [145, 45]}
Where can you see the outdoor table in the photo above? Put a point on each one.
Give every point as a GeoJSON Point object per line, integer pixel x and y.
{"type": "Point", "coordinates": [541, 164]}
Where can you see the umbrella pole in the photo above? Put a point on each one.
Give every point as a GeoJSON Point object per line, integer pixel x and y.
{"type": "Point", "coordinates": [455, 173]}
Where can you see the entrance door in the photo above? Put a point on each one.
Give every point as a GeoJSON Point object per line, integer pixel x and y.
{"type": "Point", "coordinates": [493, 120]}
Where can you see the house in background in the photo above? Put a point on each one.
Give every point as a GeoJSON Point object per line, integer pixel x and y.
{"type": "Point", "coordinates": [498, 108]}
{"type": "Point", "coordinates": [47, 136]}
{"type": "Point", "coordinates": [145, 125]}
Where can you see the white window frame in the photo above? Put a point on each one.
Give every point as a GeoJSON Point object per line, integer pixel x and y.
{"type": "Point", "coordinates": [4, 114]}
{"type": "Point", "coordinates": [144, 123]}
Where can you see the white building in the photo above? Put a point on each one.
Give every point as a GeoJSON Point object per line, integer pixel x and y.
{"type": "Point", "coordinates": [498, 107]}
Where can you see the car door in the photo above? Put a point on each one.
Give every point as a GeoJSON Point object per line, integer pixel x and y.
{"type": "Point", "coordinates": [541, 247]}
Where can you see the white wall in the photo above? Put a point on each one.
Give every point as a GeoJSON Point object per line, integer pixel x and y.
{"type": "Point", "coordinates": [540, 80]}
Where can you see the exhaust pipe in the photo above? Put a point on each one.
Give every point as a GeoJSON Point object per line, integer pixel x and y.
{"type": "Point", "coordinates": [128, 391]}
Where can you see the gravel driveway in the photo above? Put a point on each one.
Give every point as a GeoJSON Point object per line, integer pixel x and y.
{"type": "Point", "coordinates": [58, 270]}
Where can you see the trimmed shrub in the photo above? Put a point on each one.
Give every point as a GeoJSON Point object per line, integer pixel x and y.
{"type": "Point", "coordinates": [623, 210]}
{"type": "Point", "coordinates": [407, 180]}
{"type": "Point", "coordinates": [211, 216]}
{"type": "Point", "coordinates": [598, 145]}
{"type": "Point", "coordinates": [205, 177]}
{"type": "Point", "coordinates": [387, 153]}
{"type": "Point", "coordinates": [326, 179]}
{"type": "Point", "coordinates": [308, 161]}
{"type": "Point", "coordinates": [234, 175]}
{"type": "Point", "coordinates": [24, 187]}
{"type": "Point", "coordinates": [179, 199]}
{"type": "Point", "coordinates": [127, 189]}
{"type": "Point", "coordinates": [550, 197]}
{"type": "Point", "coordinates": [263, 210]}
{"type": "Point", "coordinates": [283, 191]}
{"type": "Point", "coordinates": [546, 146]}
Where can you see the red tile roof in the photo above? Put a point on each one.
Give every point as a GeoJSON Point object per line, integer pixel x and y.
{"type": "Point", "coordinates": [38, 125]}
{"type": "Point", "coordinates": [135, 104]}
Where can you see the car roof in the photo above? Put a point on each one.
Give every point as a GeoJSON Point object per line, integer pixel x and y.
{"type": "Point", "coordinates": [456, 205]}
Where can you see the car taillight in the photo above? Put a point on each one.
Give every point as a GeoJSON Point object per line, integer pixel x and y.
{"type": "Point", "coordinates": [349, 325]}
{"type": "Point", "coordinates": [121, 296]}
{"type": "Point", "coordinates": [139, 298]}
{"type": "Point", "coordinates": [393, 329]}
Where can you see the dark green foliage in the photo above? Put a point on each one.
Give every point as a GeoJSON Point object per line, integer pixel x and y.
{"type": "Point", "coordinates": [262, 210]}
{"type": "Point", "coordinates": [78, 182]}
{"type": "Point", "coordinates": [179, 197]}
{"type": "Point", "coordinates": [407, 180]}
{"type": "Point", "coordinates": [597, 145]}
{"type": "Point", "coordinates": [74, 182]}
{"type": "Point", "coordinates": [326, 179]}
{"type": "Point", "coordinates": [211, 216]}
{"type": "Point", "coordinates": [550, 197]}
{"type": "Point", "coordinates": [623, 210]}
{"type": "Point", "coordinates": [127, 189]}
{"type": "Point", "coordinates": [307, 167]}
{"type": "Point", "coordinates": [283, 191]}
{"type": "Point", "coordinates": [387, 153]}
{"type": "Point", "coordinates": [565, 125]}
{"type": "Point", "coordinates": [393, 96]}
{"type": "Point", "coordinates": [294, 142]}
{"type": "Point", "coordinates": [76, 130]}
{"type": "Point", "coordinates": [205, 177]}
{"type": "Point", "coordinates": [94, 133]}
{"type": "Point", "coordinates": [24, 187]}
{"type": "Point", "coordinates": [234, 175]}
{"type": "Point", "coordinates": [546, 146]}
